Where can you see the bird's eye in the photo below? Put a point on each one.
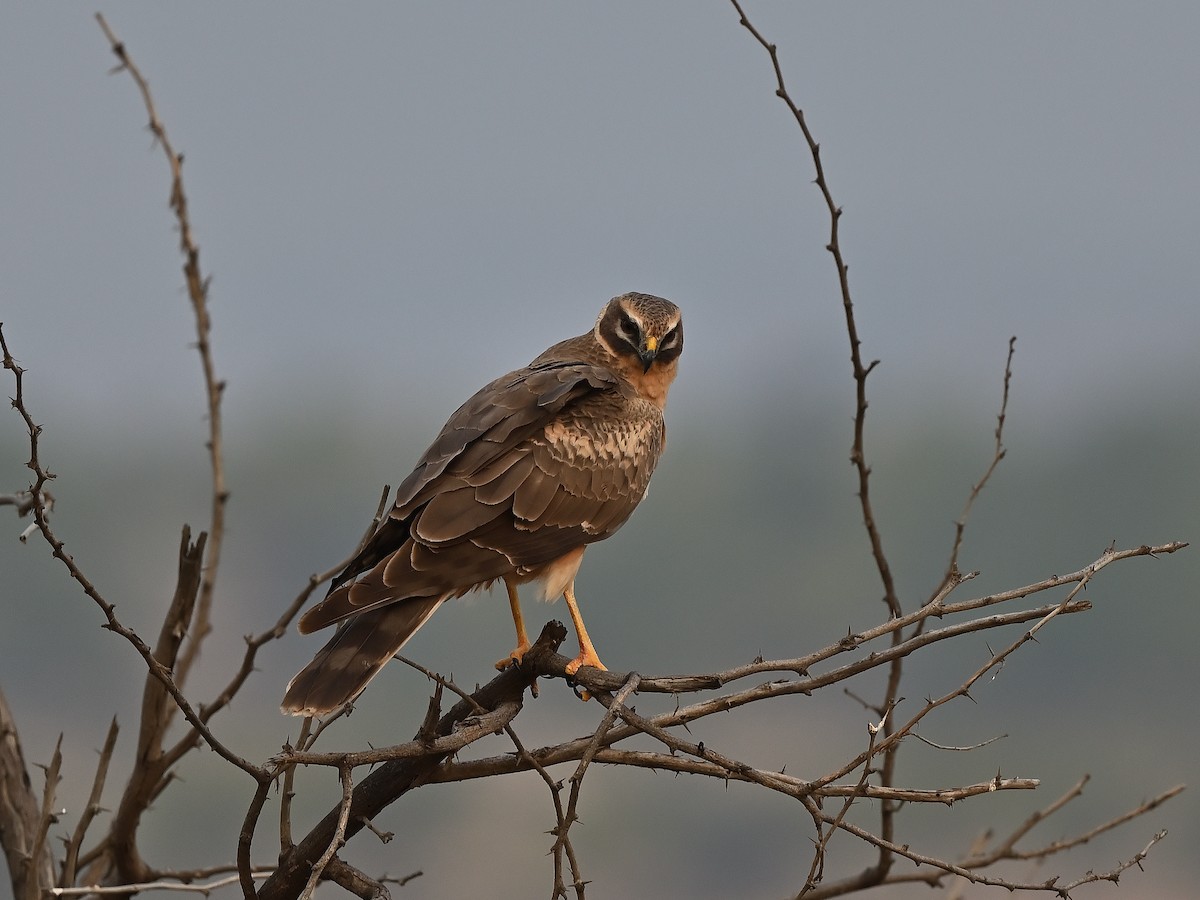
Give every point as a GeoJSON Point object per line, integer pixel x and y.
{"type": "Point", "coordinates": [671, 337]}
{"type": "Point", "coordinates": [627, 327]}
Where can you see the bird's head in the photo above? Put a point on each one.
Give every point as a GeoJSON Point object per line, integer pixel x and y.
{"type": "Point", "coordinates": [644, 327]}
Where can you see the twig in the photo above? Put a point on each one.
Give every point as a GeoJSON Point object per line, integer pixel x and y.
{"type": "Point", "coordinates": [788, 785]}
{"type": "Point", "coordinates": [616, 706]}
{"type": "Point", "coordinates": [112, 623]}
{"type": "Point", "coordinates": [93, 806]}
{"type": "Point", "coordinates": [285, 801]}
{"type": "Point", "coordinates": [20, 814]}
{"type": "Point", "coordinates": [857, 453]}
{"type": "Point", "coordinates": [969, 747]}
{"type": "Point", "coordinates": [358, 883]}
{"type": "Point", "coordinates": [197, 288]}
{"type": "Point", "coordinates": [339, 834]}
{"type": "Point", "coordinates": [206, 888]}
{"type": "Point", "coordinates": [560, 819]}
{"type": "Point", "coordinates": [998, 454]}
{"type": "Point", "coordinates": [46, 818]}
{"type": "Point", "coordinates": [396, 777]}
{"type": "Point", "coordinates": [1115, 822]}
{"type": "Point", "coordinates": [152, 770]}
{"type": "Point", "coordinates": [816, 869]}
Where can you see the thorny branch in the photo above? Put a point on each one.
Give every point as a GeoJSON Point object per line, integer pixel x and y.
{"type": "Point", "coordinates": [684, 755]}
{"type": "Point", "coordinates": [197, 288]}
{"type": "Point", "coordinates": [858, 452]}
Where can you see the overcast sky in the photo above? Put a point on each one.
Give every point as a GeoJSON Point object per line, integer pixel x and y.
{"type": "Point", "coordinates": [393, 194]}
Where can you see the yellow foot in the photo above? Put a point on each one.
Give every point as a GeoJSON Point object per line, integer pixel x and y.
{"type": "Point", "coordinates": [585, 658]}
{"type": "Point", "coordinates": [514, 658]}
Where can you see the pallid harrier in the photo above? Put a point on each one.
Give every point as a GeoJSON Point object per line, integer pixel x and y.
{"type": "Point", "coordinates": [537, 465]}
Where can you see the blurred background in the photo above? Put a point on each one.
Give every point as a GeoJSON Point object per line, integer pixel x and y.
{"type": "Point", "coordinates": [398, 202]}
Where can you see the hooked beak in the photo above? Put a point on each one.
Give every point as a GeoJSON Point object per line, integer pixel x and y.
{"type": "Point", "coordinates": [648, 353]}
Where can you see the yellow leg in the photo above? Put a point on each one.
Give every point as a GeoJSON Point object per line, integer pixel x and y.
{"type": "Point", "coordinates": [587, 653]}
{"type": "Point", "coordinates": [514, 604]}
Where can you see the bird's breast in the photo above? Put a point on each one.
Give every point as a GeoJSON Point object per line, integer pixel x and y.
{"type": "Point", "coordinates": [598, 442]}
{"type": "Point", "coordinates": [610, 457]}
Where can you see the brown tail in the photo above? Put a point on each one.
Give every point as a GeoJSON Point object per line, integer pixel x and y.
{"type": "Point", "coordinates": [355, 654]}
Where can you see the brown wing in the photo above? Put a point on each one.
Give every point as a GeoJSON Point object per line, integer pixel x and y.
{"type": "Point", "coordinates": [537, 463]}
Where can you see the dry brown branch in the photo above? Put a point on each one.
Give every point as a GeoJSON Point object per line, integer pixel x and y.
{"type": "Point", "coordinates": [562, 842]}
{"type": "Point", "coordinates": [197, 288]}
{"type": "Point", "coordinates": [152, 767]}
{"type": "Point", "coordinates": [889, 747]}
{"type": "Point", "coordinates": [396, 777]}
{"type": "Point", "coordinates": [47, 816]}
{"type": "Point", "coordinates": [960, 526]}
{"type": "Point", "coordinates": [981, 856]}
{"type": "Point", "coordinates": [288, 793]}
{"type": "Point", "coordinates": [112, 623]}
{"type": "Point", "coordinates": [20, 815]}
{"type": "Point", "coordinates": [356, 882]}
{"type": "Point", "coordinates": [816, 870]}
{"type": "Point", "coordinates": [184, 886]}
{"type": "Point", "coordinates": [75, 845]}
{"type": "Point", "coordinates": [339, 833]}
{"type": "Point", "coordinates": [858, 452]}
{"type": "Point", "coordinates": [103, 860]}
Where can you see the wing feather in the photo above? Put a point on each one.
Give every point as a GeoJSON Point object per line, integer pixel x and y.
{"type": "Point", "coordinates": [451, 515]}
{"type": "Point", "coordinates": [502, 486]}
{"type": "Point", "coordinates": [535, 493]}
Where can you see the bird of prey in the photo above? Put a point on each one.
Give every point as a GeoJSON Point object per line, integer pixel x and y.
{"type": "Point", "coordinates": [537, 465]}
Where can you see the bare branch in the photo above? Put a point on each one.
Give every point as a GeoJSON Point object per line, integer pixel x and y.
{"type": "Point", "coordinates": [358, 883]}
{"type": "Point", "coordinates": [58, 549]}
{"type": "Point", "coordinates": [206, 888]}
{"type": "Point", "coordinates": [197, 288]}
{"type": "Point", "coordinates": [74, 846]}
{"type": "Point", "coordinates": [398, 776]}
{"type": "Point", "coordinates": [960, 526]}
{"type": "Point", "coordinates": [47, 816]}
{"type": "Point", "coordinates": [616, 706]}
{"type": "Point", "coordinates": [861, 371]}
{"type": "Point", "coordinates": [339, 832]}
{"type": "Point", "coordinates": [937, 746]}
{"type": "Point", "coordinates": [152, 768]}
{"type": "Point", "coordinates": [20, 814]}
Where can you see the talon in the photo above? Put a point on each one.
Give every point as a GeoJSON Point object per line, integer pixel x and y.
{"type": "Point", "coordinates": [586, 657]}
{"type": "Point", "coordinates": [515, 658]}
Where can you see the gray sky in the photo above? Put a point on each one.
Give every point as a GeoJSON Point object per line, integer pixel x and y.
{"type": "Point", "coordinates": [388, 188]}
{"type": "Point", "coordinates": [396, 202]}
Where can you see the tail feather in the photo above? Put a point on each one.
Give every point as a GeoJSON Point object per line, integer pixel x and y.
{"type": "Point", "coordinates": [354, 655]}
